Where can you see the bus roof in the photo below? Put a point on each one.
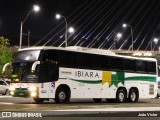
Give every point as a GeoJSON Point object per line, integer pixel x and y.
{"type": "Point", "coordinates": [86, 50]}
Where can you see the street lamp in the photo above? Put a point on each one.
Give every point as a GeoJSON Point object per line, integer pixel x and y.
{"type": "Point", "coordinates": [125, 25]}
{"type": "Point", "coordinates": [70, 30]}
{"type": "Point", "coordinates": [58, 16]}
{"type": "Point", "coordinates": [118, 36]}
{"type": "Point", "coordinates": [36, 8]}
{"type": "Point", "coordinates": [155, 40]}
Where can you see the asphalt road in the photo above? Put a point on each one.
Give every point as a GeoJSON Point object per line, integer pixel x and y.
{"type": "Point", "coordinates": [23, 105]}
{"type": "Point", "coordinates": [8, 103]}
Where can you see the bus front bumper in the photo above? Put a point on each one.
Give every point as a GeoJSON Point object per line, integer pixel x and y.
{"type": "Point", "coordinates": [20, 93]}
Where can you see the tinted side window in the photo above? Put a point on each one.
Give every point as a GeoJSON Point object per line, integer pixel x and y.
{"type": "Point", "coordinates": [128, 65]}
{"type": "Point", "coordinates": [2, 83]}
{"type": "Point", "coordinates": [151, 67]}
{"type": "Point", "coordinates": [115, 63]}
{"type": "Point", "coordinates": [85, 60]}
{"type": "Point", "coordinates": [101, 62]}
{"type": "Point", "coordinates": [141, 66]}
{"type": "Point", "coordinates": [62, 58]}
{"type": "Point", "coordinates": [67, 59]}
{"type": "Point", "coordinates": [50, 55]}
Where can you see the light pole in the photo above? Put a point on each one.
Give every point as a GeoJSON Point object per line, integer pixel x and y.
{"type": "Point", "coordinates": [118, 36]}
{"type": "Point", "coordinates": [125, 25]}
{"type": "Point", "coordinates": [58, 16]}
{"type": "Point", "coordinates": [36, 8]}
{"type": "Point", "coordinates": [70, 30]}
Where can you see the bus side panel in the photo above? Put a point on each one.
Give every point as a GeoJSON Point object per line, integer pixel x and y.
{"type": "Point", "coordinates": [44, 90]}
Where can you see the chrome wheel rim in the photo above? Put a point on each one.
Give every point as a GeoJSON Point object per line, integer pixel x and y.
{"type": "Point", "coordinates": [62, 95]}
{"type": "Point", "coordinates": [133, 96]}
{"type": "Point", "coordinates": [121, 96]}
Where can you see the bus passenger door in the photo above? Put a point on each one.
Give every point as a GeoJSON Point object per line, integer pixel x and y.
{"type": "Point", "coordinates": [44, 80]}
{"type": "Point", "coordinates": [53, 77]}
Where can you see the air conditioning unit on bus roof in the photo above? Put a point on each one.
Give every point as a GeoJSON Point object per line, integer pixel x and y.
{"type": "Point", "coordinates": [93, 50]}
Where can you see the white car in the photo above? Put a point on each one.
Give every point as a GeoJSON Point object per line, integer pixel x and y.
{"type": "Point", "coordinates": [4, 86]}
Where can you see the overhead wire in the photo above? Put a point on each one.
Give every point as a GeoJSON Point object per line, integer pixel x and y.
{"type": "Point", "coordinates": [60, 23]}
{"type": "Point", "coordinates": [88, 18]}
{"type": "Point", "coordinates": [101, 20]}
{"type": "Point", "coordinates": [124, 18]}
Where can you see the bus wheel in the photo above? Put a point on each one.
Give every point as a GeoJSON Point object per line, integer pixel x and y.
{"type": "Point", "coordinates": [61, 96]}
{"type": "Point", "coordinates": [38, 100]}
{"type": "Point", "coordinates": [97, 100]}
{"type": "Point", "coordinates": [121, 96]}
{"type": "Point", "coordinates": [133, 96]}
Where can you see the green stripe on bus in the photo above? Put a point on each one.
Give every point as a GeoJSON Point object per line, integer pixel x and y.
{"type": "Point", "coordinates": [88, 81]}
{"type": "Point", "coordinates": [142, 78]}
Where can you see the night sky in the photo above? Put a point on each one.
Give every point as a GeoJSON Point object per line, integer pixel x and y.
{"type": "Point", "coordinates": [96, 22]}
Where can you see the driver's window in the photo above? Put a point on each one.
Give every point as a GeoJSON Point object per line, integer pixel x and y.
{"type": "Point", "coordinates": [2, 83]}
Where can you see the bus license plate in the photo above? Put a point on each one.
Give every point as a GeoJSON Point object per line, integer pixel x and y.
{"type": "Point", "coordinates": [21, 94]}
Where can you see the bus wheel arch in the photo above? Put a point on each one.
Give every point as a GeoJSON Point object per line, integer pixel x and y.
{"type": "Point", "coordinates": [133, 95]}
{"type": "Point", "coordinates": [62, 94]}
{"type": "Point", "coordinates": [121, 94]}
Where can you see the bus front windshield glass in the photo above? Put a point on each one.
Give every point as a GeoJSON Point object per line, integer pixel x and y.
{"type": "Point", "coordinates": [22, 72]}
{"type": "Point", "coordinates": [26, 55]}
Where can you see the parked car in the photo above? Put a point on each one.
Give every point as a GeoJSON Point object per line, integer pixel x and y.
{"type": "Point", "coordinates": [158, 91]}
{"type": "Point", "coordinates": [4, 86]}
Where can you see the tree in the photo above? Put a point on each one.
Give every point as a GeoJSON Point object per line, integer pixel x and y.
{"type": "Point", "coordinates": [5, 54]}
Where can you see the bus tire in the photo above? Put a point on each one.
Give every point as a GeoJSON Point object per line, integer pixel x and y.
{"type": "Point", "coordinates": [38, 100]}
{"type": "Point", "coordinates": [133, 95]}
{"type": "Point", "coordinates": [121, 96]}
{"type": "Point", "coordinates": [97, 100]}
{"type": "Point", "coordinates": [61, 96]}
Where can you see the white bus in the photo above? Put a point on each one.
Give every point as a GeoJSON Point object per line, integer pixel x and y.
{"type": "Point", "coordinates": [45, 73]}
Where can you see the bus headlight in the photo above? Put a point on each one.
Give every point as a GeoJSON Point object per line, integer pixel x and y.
{"type": "Point", "coordinates": [12, 93]}
{"type": "Point", "coordinates": [12, 88]}
{"type": "Point", "coordinates": [32, 88]}
{"type": "Point", "coordinates": [33, 94]}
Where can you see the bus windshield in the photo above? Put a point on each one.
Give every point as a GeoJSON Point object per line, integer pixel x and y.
{"type": "Point", "coordinates": [22, 72]}
{"type": "Point", "coordinates": [27, 55]}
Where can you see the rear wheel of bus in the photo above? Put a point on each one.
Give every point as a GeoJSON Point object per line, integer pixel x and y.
{"type": "Point", "coordinates": [121, 96]}
{"type": "Point", "coordinates": [133, 95]}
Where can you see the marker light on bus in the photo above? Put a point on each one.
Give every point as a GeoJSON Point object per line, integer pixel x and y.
{"type": "Point", "coordinates": [16, 80]}
{"type": "Point", "coordinates": [12, 88]}
{"type": "Point", "coordinates": [32, 88]}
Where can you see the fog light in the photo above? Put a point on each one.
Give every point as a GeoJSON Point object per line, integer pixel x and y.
{"type": "Point", "coordinates": [12, 93]}
{"type": "Point", "coordinates": [33, 94]}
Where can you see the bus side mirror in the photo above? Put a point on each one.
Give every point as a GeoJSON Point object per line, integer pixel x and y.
{"type": "Point", "coordinates": [34, 66]}
{"type": "Point", "coordinates": [5, 66]}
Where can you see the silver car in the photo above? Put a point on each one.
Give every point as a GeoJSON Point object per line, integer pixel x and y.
{"type": "Point", "coordinates": [4, 86]}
